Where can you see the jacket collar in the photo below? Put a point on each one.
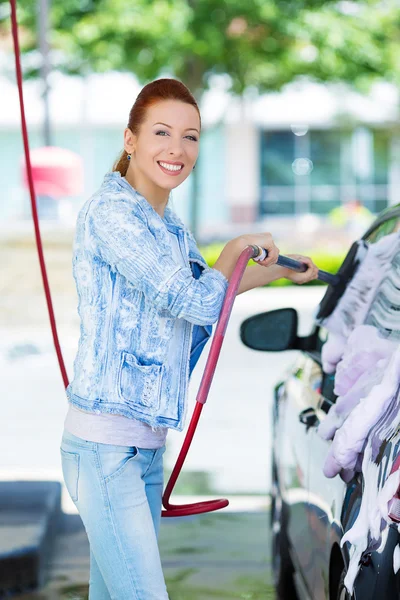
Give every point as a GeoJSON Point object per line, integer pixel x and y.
{"type": "Point", "coordinates": [169, 215]}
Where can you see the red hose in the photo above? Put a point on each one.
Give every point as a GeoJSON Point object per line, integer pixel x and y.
{"type": "Point", "coordinates": [14, 26]}
{"type": "Point", "coordinates": [171, 510]}
{"type": "Point", "coordinates": [210, 505]}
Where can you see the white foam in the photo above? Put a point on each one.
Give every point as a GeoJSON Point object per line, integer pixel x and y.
{"type": "Point", "coordinates": [367, 530]}
{"type": "Point", "coordinates": [350, 438]}
{"type": "Point", "coordinates": [354, 305]}
{"type": "Point", "coordinates": [366, 415]}
{"type": "Point", "coordinates": [361, 367]}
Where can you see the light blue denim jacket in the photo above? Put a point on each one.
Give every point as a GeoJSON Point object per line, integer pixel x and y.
{"type": "Point", "coordinates": [130, 291]}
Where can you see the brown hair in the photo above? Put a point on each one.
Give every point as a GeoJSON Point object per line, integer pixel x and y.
{"type": "Point", "coordinates": [153, 92]}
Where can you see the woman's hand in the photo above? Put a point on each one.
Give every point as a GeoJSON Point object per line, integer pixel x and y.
{"type": "Point", "coordinates": [264, 240]}
{"type": "Point", "coordinates": [311, 273]}
{"type": "Point", "coordinates": [231, 252]}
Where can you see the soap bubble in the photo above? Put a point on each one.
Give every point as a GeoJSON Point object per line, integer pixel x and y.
{"type": "Point", "coordinates": [302, 166]}
{"type": "Point", "coordinates": [299, 128]}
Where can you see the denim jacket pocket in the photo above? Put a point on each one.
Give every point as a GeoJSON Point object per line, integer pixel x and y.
{"type": "Point", "coordinates": [139, 385]}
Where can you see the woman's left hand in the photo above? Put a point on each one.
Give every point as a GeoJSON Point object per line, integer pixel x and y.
{"type": "Point", "coordinates": [311, 273]}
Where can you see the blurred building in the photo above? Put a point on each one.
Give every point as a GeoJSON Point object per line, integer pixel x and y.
{"type": "Point", "coordinates": [305, 150]}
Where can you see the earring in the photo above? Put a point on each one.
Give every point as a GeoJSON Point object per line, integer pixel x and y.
{"type": "Point", "coordinates": [194, 167]}
{"type": "Point", "coordinates": [129, 157]}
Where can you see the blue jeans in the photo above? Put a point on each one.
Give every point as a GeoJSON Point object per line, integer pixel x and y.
{"type": "Point", "coordinates": [118, 491]}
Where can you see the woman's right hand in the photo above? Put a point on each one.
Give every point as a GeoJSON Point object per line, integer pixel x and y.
{"type": "Point", "coordinates": [228, 258]}
{"type": "Point", "coordinates": [264, 240]}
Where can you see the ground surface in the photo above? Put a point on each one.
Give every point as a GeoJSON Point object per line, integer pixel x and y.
{"type": "Point", "coordinates": [219, 555]}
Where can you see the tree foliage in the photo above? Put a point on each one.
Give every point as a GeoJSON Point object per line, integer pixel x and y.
{"type": "Point", "coordinates": [260, 43]}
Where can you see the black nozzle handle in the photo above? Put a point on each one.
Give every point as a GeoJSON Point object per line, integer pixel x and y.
{"type": "Point", "coordinates": [300, 267]}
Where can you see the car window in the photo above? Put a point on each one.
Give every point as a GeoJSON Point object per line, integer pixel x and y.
{"type": "Point", "coordinates": [384, 312]}
{"type": "Point", "coordinates": [309, 371]}
{"type": "Point", "coordinates": [389, 226]}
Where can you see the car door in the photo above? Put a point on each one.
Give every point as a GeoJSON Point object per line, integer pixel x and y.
{"type": "Point", "coordinates": [292, 449]}
{"type": "Point", "coordinates": [325, 495]}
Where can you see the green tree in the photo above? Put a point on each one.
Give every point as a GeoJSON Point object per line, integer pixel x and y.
{"type": "Point", "coordinates": [262, 44]}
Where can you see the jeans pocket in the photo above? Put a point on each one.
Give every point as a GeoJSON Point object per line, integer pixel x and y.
{"type": "Point", "coordinates": [115, 463]}
{"type": "Point", "coordinates": [70, 469]}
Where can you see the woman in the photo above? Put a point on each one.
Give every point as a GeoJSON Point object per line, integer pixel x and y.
{"type": "Point", "coordinates": [147, 301]}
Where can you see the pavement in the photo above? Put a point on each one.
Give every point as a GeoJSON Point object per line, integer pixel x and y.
{"type": "Point", "coordinates": [225, 554]}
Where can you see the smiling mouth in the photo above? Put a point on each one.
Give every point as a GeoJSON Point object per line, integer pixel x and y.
{"type": "Point", "coordinates": [170, 169]}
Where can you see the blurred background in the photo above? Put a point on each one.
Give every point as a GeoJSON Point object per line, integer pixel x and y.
{"type": "Point", "coordinates": [299, 103]}
{"type": "Point", "coordinates": [301, 137]}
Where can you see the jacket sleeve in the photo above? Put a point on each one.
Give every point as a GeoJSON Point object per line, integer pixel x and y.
{"type": "Point", "coordinates": [122, 239]}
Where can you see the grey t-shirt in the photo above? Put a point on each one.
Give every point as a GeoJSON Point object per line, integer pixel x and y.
{"type": "Point", "coordinates": [117, 429]}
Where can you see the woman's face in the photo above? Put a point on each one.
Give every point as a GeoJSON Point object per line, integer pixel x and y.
{"type": "Point", "coordinates": [167, 146]}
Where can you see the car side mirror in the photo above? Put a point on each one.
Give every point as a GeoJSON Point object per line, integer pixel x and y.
{"type": "Point", "coordinates": [275, 331]}
{"type": "Point", "coordinates": [271, 331]}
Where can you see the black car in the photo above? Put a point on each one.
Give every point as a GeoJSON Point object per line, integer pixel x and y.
{"type": "Point", "coordinates": [310, 513]}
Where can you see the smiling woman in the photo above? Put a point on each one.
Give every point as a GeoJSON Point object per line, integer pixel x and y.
{"type": "Point", "coordinates": [146, 314]}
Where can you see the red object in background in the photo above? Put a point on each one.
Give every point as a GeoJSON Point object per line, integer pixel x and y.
{"type": "Point", "coordinates": [57, 172]}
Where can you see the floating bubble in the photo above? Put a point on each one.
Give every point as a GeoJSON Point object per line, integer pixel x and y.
{"type": "Point", "coordinates": [299, 128]}
{"type": "Point", "coordinates": [302, 166]}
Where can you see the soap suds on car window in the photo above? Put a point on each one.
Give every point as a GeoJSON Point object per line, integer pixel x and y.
{"type": "Point", "coordinates": [363, 348]}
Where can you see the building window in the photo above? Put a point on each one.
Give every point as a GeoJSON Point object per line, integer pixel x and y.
{"type": "Point", "coordinates": [318, 170]}
{"type": "Point", "coordinates": [325, 154]}
{"type": "Point", "coordinates": [277, 157]}
{"type": "Point", "coordinates": [381, 148]}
